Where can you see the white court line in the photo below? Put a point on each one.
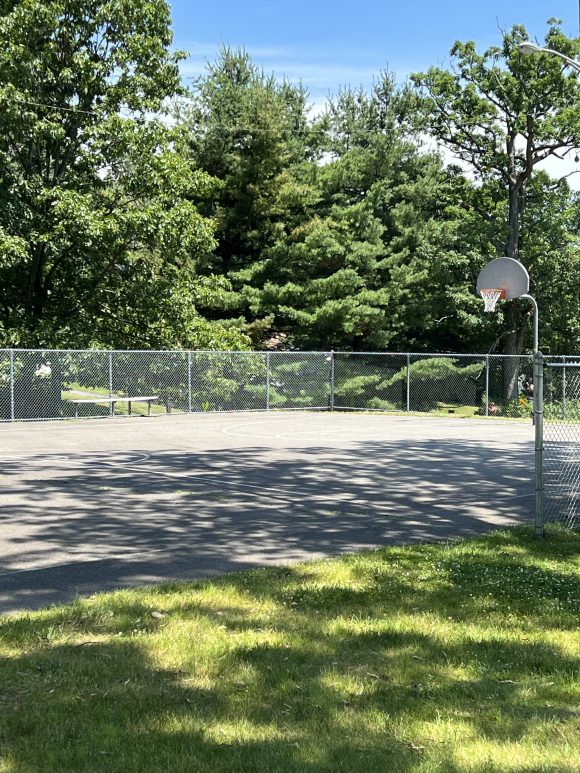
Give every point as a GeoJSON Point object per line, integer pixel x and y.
{"type": "Point", "coordinates": [56, 425]}
{"type": "Point", "coordinates": [218, 481]}
{"type": "Point", "coordinates": [64, 455]}
{"type": "Point", "coordinates": [296, 434]}
{"type": "Point", "coordinates": [74, 461]}
{"type": "Point", "coordinates": [215, 481]}
{"type": "Point", "coordinates": [344, 433]}
{"type": "Point", "coordinates": [218, 484]}
{"type": "Point", "coordinates": [95, 423]}
{"type": "Point", "coordinates": [98, 423]}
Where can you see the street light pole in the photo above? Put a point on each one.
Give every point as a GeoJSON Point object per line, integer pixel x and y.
{"type": "Point", "coordinates": [528, 48]}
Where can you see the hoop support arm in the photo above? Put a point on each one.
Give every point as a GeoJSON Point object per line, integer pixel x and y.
{"type": "Point", "coordinates": [536, 317]}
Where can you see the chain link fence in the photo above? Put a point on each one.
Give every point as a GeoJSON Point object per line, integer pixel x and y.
{"type": "Point", "coordinates": [561, 442]}
{"type": "Point", "coordinates": [43, 384]}
{"type": "Point", "coordinates": [53, 384]}
{"type": "Point", "coordinates": [460, 384]}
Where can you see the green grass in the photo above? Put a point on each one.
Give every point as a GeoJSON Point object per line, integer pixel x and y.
{"type": "Point", "coordinates": [458, 657]}
{"type": "Point", "coordinates": [461, 412]}
{"type": "Point", "coordinates": [452, 409]}
{"type": "Point", "coordinates": [77, 387]}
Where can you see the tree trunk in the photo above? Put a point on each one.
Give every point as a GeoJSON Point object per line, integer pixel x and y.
{"type": "Point", "coordinates": [514, 320]}
{"type": "Point", "coordinates": [513, 221]}
{"type": "Point", "coordinates": [513, 345]}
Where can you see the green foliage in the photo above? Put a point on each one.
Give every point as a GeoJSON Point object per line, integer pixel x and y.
{"type": "Point", "coordinates": [228, 381]}
{"type": "Point", "coordinates": [298, 380]}
{"type": "Point", "coordinates": [248, 222]}
{"type": "Point", "coordinates": [327, 247]}
{"type": "Point", "coordinates": [99, 240]}
{"type": "Point", "coordinates": [502, 113]}
{"type": "Point", "coordinates": [518, 408]}
{"type": "Point", "coordinates": [341, 233]}
{"type": "Point", "coordinates": [557, 411]}
{"type": "Point", "coordinates": [441, 380]}
{"type": "Point", "coordinates": [355, 387]}
{"type": "Point", "coordinates": [433, 369]}
{"type": "Point", "coordinates": [358, 258]}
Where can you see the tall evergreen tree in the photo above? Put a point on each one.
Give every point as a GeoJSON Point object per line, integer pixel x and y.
{"type": "Point", "coordinates": [362, 264]}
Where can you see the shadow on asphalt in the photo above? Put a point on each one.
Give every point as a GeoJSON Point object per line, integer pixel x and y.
{"type": "Point", "coordinates": [183, 515]}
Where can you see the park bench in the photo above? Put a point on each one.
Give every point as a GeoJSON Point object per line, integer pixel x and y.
{"type": "Point", "coordinates": [113, 400]}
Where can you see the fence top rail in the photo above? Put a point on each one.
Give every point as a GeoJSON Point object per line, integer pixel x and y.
{"type": "Point", "coordinates": [165, 351]}
{"type": "Point", "coordinates": [479, 355]}
{"type": "Point", "coordinates": [563, 364]}
{"type": "Point", "coordinates": [296, 353]}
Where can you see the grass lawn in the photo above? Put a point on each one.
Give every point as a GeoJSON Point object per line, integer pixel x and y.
{"type": "Point", "coordinates": [451, 409]}
{"type": "Point", "coordinates": [457, 657]}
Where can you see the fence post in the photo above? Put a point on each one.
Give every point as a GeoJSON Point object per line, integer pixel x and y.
{"type": "Point", "coordinates": [12, 385]}
{"type": "Point", "coordinates": [539, 442]}
{"type": "Point", "coordinates": [487, 384]}
{"type": "Point", "coordinates": [408, 382]}
{"type": "Point", "coordinates": [189, 405]}
{"type": "Point", "coordinates": [111, 409]}
{"type": "Point", "coordinates": [564, 389]}
{"type": "Point", "coordinates": [332, 380]}
{"type": "Point", "coordinates": [267, 381]}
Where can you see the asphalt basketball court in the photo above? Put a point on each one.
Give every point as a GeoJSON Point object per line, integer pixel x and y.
{"type": "Point", "coordinates": [100, 504]}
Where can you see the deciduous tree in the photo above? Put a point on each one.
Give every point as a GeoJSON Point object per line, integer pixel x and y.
{"type": "Point", "coordinates": [503, 113]}
{"type": "Point", "coordinates": [99, 239]}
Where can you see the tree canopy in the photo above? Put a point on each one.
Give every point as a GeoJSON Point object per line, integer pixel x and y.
{"type": "Point", "coordinates": [100, 238]}
{"type": "Point", "coordinates": [503, 113]}
{"type": "Point", "coordinates": [138, 213]}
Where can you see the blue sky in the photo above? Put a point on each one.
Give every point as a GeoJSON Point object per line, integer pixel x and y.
{"type": "Point", "coordinates": [327, 43]}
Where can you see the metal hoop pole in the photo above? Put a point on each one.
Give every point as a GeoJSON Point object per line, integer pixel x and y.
{"type": "Point", "coordinates": [536, 320]}
{"type": "Point", "coordinates": [539, 442]}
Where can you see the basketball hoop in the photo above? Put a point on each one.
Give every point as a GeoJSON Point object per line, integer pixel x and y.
{"type": "Point", "coordinates": [502, 278]}
{"type": "Point", "coordinates": [491, 297]}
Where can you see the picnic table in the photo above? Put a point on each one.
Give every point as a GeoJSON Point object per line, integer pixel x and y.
{"type": "Point", "coordinates": [112, 401]}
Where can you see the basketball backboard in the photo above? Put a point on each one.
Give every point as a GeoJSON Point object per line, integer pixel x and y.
{"type": "Point", "coordinates": [505, 274]}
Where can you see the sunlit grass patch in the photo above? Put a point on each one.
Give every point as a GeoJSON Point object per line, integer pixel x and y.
{"type": "Point", "coordinates": [456, 657]}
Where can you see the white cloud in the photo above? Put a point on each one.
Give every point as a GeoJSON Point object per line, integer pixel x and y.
{"type": "Point", "coordinates": [556, 167]}
{"type": "Point", "coordinates": [322, 73]}
{"type": "Point", "coordinates": [566, 167]}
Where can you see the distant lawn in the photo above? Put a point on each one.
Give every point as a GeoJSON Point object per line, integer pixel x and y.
{"type": "Point", "coordinates": [451, 409]}
{"type": "Point", "coordinates": [460, 657]}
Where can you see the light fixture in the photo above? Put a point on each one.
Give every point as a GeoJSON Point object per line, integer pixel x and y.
{"type": "Point", "coordinates": [527, 47]}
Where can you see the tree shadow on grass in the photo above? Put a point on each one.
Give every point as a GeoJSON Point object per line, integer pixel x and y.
{"type": "Point", "coordinates": [292, 670]}
{"type": "Point", "coordinates": [105, 707]}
